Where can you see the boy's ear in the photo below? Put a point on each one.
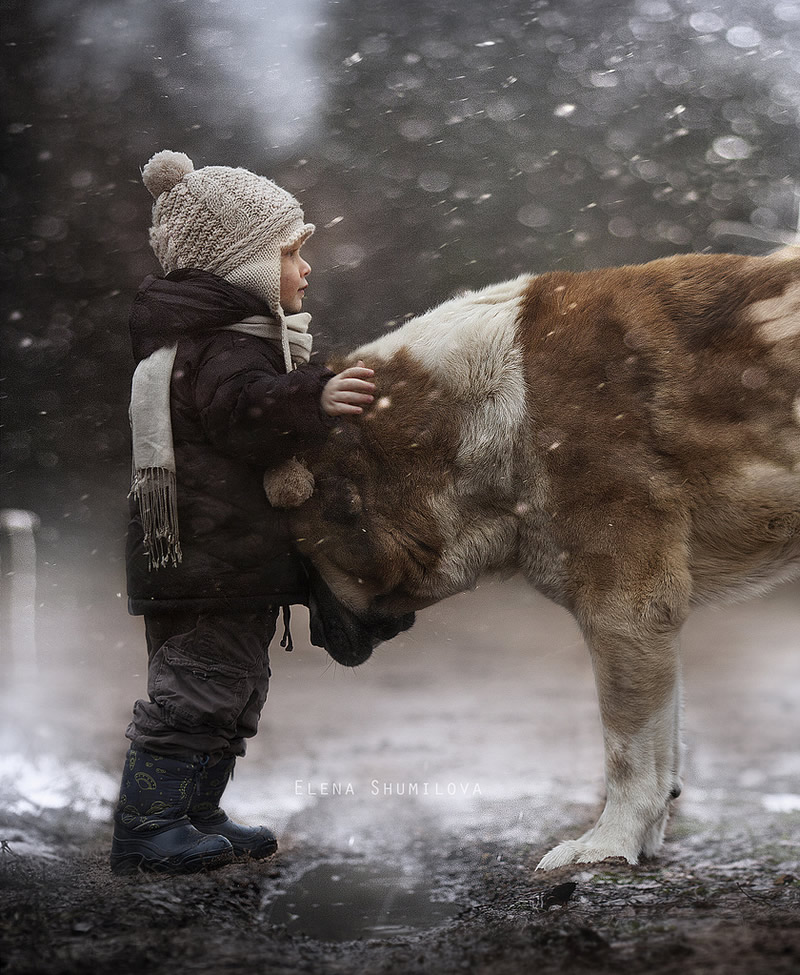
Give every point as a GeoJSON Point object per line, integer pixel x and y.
{"type": "Point", "coordinates": [289, 485]}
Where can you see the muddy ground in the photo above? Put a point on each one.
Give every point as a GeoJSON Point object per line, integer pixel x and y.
{"type": "Point", "coordinates": [412, 799]}
{"type": "Point", "coordinates": [682, 914]}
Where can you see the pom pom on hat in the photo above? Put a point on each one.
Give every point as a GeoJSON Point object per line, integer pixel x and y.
{"type": "Point", "coordinates": [165, 170]}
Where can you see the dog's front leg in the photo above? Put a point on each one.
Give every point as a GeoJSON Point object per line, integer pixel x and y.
{"type": "Point", "coordinates": [638, 682]}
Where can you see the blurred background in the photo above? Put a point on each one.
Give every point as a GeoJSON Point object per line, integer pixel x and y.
{"type": "Point", "coordinates": [437, 145]}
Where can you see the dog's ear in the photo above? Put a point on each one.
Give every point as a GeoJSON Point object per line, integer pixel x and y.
{"type": "Point", "coordinates": [340, 498]}
{"type": "Point", "coordinates": [289, 485]}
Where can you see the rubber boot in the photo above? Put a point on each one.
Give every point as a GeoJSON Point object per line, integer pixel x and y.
{"type": "Point", "coordinates": [152, 831]}
{"type": "Point", "coordinates": [257, 842]}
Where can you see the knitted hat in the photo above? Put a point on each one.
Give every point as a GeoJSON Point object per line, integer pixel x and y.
{"type": "Point", "coordinates": [226, 221]}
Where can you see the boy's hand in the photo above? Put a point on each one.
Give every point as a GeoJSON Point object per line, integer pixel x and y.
{"type": "Point", "coordinates": [349, 391]}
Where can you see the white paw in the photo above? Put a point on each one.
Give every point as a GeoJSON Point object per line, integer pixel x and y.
{"type": "Point", "coordinates": [582, 851]}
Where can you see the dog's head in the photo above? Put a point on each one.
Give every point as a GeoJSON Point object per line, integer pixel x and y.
{"type": "Point", "coordinates": [370, 527]}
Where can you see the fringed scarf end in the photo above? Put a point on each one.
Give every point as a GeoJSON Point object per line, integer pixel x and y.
{"type": "Point", "coordinates": [154, 491]}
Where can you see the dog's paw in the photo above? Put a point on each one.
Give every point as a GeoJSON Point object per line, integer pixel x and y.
{"type": "Point", "coordinates": [583, 851]}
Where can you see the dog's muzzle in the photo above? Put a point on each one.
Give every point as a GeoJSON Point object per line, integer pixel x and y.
{"type": "Point", "coordinates": [349, 639]}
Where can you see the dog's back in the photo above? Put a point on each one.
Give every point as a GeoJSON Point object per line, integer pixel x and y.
{"type": "Point", "coordinates": [674, 387]}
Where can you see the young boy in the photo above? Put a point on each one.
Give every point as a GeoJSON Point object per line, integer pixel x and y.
{"type": "Point", "coordinates": [223, 391]}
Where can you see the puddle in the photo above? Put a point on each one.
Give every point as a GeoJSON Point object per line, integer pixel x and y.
{"type": "Point", "coordinates": [345, 901]}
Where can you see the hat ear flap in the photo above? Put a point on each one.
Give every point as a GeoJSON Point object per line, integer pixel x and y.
{"type": "Point", "coordinates": [261, 276]}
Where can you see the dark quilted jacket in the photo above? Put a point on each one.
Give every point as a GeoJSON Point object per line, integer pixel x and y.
{"type": "Point", "coordinates": [235, 414]}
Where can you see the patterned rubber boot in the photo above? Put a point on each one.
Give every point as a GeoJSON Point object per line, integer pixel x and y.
{"type": "Point", "coordinates": [152, 831]}
{"type": "Point", "coordinates": [257, 842]}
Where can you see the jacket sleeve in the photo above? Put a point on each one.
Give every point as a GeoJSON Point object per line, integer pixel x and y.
{"type": "Point", "coordinates": [250, 409]}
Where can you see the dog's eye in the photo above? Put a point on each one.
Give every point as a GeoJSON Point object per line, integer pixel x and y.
{"type": "Point", "coordinates": [341, 500]}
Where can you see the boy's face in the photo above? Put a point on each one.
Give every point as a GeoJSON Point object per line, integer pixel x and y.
{"type": "Point", "coordinates": [294, 271]}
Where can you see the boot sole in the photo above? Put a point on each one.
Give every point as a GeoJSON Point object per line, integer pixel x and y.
{"type": "Point", "coordinates": [263, 854]}
{"type": "Point", "coordinates": [130, 863]}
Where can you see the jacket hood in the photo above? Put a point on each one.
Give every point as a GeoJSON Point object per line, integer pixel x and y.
{"type": "Point", "coordinates": [186, 301]}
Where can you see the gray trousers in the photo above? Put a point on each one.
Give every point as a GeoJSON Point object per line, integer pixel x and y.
{"type": "Point", "coordinates": [207, 682]}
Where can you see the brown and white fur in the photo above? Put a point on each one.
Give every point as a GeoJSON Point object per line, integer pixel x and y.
{"type": "Point", "coordinates": [627, 438]}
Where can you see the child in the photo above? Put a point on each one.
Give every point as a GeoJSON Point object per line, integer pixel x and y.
{"type": "Point", "coordinates": [222, 392]}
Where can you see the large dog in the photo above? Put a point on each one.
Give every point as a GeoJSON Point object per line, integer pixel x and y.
{"type": "Point", "coordinates": [627, 438]}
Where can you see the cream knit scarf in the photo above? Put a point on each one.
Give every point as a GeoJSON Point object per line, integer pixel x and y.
{"type": "Point", "coordinates": [153, 485]}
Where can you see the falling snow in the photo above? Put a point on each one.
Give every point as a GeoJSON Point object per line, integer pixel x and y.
{"type": "Point", "coordinates": [436, 146]}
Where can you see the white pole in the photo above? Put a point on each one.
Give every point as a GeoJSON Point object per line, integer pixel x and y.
{"type": "Point", "coordinates": [18, 568]}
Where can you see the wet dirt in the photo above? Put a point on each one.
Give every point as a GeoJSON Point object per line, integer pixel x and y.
{"type": "Point", "coordinates": [675, 915]}
{"type": "Point", "coordinates": [429, 782]}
